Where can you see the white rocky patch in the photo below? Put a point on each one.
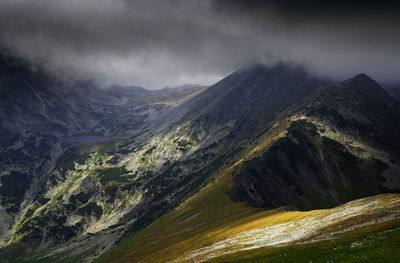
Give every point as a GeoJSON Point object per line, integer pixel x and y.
{"type": "Point", "coordinates": [303, 229]}
{"type": "Point", "coordinates": [359, 149]}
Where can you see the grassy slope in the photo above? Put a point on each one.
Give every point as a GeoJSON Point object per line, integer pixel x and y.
{"type": "Point", "coordinates": [210, 216]}
{"type": "Point", "coordinates": [378, 243]}
{"type": "Point", "coordinates": [12, 252]}
{"type": "Point", "coordinates": [202, 219]}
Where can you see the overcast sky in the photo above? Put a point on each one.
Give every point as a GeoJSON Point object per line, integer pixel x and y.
{"type": "Point", "coordinates": [162, 43]}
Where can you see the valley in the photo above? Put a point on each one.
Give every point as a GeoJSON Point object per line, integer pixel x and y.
{"type": "Point", "coordinates": [187, 131]}
{"type": "Point", "coordinates": [270, 160]}
{"type": "Point", "coordinates": [81, 138]}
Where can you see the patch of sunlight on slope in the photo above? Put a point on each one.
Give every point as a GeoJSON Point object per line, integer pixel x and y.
{"type": "Point", "coordinates": [209, 224]}
{"type": "Point", "coordinates": [310, 228]}
{"type": "Point", "coordinates": [376, 243]}
{"type": "Point", "coordinates": [201, 220]}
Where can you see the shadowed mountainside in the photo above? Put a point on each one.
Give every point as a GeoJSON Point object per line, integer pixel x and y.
{"type": "Point", "coordinates": [269, 136]}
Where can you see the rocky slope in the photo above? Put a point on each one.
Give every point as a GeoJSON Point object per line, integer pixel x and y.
{"type": "Point", "coordinates": [271, 137]}
{"type": "Point", "coordinates": [341, 145]}
{"type": "Point", "coordinates": [315, 226]}
{"type": "Point", "coordinates": [394, 90]}
{"type": "Point", "coordinates": [325, 148]}
{"type": "Point", "coordinates": [37, 111]}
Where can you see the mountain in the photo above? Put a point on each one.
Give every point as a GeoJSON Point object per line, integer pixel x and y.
{"type": "Point", "coordinates": [326, 148]}
{"type": "Point", "coordinates": [333, 143]}
{"type": "Point", "coordinates": [394, 91]}
{"type": "Point", "coordinates": [340, 145]}
{"type": "Point", "coordinates": [251, 98]}
{"type": "Point", "coordinates": [38, 111]}
{"type": "Point", "coordinates": [188, 168]}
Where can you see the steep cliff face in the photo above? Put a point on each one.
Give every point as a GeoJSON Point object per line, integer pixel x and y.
{"type": "Point", "coordinates": [394, 91]}
{"type": "Point", "coordinates": [37, 111]}
{"type": "Point", "coordinates": [251, 98]}
{"type": "Point", "coordinates": [203, 134]}
{"type": "Point", "coordinates": [341, 145]}
{"type": "Point", "coordinates": [287, 138]}
{"type": "Point", "coordinates": [361, 108]}
{"type": "Point", "coordinates": [271, 137]}
{"type": "Point", "coordinates": [309, 170]}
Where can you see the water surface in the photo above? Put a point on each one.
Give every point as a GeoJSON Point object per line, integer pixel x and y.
{"type": "Point", "coordinates": [87, 138]}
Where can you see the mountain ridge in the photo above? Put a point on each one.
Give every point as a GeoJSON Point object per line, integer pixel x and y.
{"type": "Point", "coordinates": [277, 136]}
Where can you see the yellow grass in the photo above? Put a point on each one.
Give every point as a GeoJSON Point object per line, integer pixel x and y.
{"type": "Point", "coordinates": [205, 218]}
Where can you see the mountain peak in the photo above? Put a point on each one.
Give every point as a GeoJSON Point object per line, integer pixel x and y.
{"type": "Point", "coordinates": [361, 81]}
{"type": "Point", "coordinates": [362, 76]}
{"type": "Point", "coordinates": [281, 67]}
{"type": "Point", "coordinates": [365, 86]}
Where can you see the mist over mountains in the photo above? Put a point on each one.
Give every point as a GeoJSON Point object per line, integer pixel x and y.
{"type": "Point", "coordinates": [277, 136]}
{"type": "Point", "coordinates": [180, 42]}
{"type": "Point", "coordinates": [199, 131]}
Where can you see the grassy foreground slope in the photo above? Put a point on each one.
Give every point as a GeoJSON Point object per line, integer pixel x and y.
{"type": "Point", "coordinates": [202, 219]}
{"type": "Point", "coordinates": [374, 245]}
{"type": "Point", "coordinates": [205, 218]}
{"type": "Point", "coordinates": [209, 226]}
{"type": "Point", "coordinates": [210, 217]}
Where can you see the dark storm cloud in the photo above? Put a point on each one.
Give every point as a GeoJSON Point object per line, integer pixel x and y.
{"type": "Point", "coordinates": [303, 7]}
{"type": "Point", "coordinates": [334, 38]}
{"type": "Point", "coordinates": [159, 43]}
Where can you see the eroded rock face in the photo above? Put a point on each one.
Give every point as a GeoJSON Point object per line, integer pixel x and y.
{"type": "Point", "coordinates": [308, 170]}
{"type": "Point", "coordinates": [167, 143]}
{"type": "Point", "coordinates": [37, 111]}
{"type": "Point", "coordinates": [341, 146]}
{"type": "Point", "coordinates": [316, 226]}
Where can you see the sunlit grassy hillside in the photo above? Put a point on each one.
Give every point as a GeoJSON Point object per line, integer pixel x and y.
{"type": "Point", "coordinates": [197, 230]}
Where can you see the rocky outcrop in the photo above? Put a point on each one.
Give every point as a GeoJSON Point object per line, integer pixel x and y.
{"type": "Point", "coordinates": [341, 145]}
{"type": "Point", "coordinates": [330, 148]}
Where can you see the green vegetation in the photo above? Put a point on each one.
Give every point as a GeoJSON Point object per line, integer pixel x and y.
{"type": "Point", "coordinates": [72, 155]}
{"type": "Point", "coordinates": [211, 212]}
{"type": "Point", "coordinates": [29, 212]}
{"type": "Point", "coordinates": [206, 217]}
{"type": "Point", "coordinates": [302, 126]}
{"type": "Point", "coordinates": [194, 137]}
{"type": "Point", "coordinates": [300, 156]}
{"type": "Point", "coordinates": [124, 151]}
{"type": "Point", "coordinates": [306, 124]}
{"type": "Point", "coordinates": [184, 143]}
{"type": "Point", "coordinates": [114, 174]}
{"type": "Point", "coordinates": [114, 160]}
{"type": "Point", "coordinates": [42, 200]}
{"type": "Point", "coordinates": [81, 197]}
{"type": "Point", "coordinates": [150, 150]}
{"type": "Point", "coordinates": [370, 247]}
{"type": "Point", "coordinates": [91, 209]}
{"type": "Point", "coordinates": [12, 190]}
{"type": "Point", "coordinates": [337, 117]}
{"type": "Point", "coordinates": [210, 216]}
{"type": "Point", "coordinates": [42, 256]}
{"type": "Point", "coordinates": [81, 159]}
{"type": "Point", "coordinates": [71, 182]}
{"type": "Point", "coordinates": [66, 162]}
{"type": "Point", "coordinates": [111, 191]}
{"type": "Point", "coordinates": [336, 148]}
{"type": "Point", "coordinates": [61, 232]}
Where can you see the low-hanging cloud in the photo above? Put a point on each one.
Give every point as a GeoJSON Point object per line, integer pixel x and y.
{"type": "Point", "coordinates": [155, 44]}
